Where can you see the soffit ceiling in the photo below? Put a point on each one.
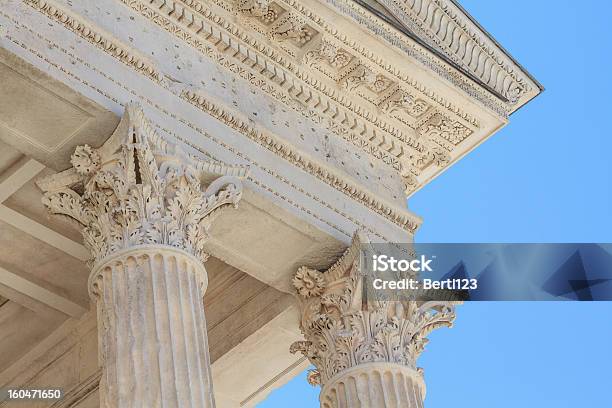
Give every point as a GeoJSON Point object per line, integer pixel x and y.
{"type": "Point", "coordinates": [43, 275]}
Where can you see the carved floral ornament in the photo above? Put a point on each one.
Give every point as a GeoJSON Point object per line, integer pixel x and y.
{"type": "Point", "coordinates": [254, 8]}
{"type": "Point", "coordinates": [280, 24]}
{"type": "Point", "coordinates": [343, 330]}
{"type": "Point", "coordinates": [138, 189]}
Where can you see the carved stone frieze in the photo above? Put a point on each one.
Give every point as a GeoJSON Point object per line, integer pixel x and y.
{"type": "Point", "coordinates": [409, 148]}
{"type": "Point", "coordinates": [351, 74]}
{"type": "Point", "coordinates": [436, 154]}
{"type": "Point", "coordinates": [137, 189]}
{"type": "Point", "coordinates": [380, 83]}
{"type": "Point", "coordinates": [359, 75]}
{"type": "Point", "coordinates": [440, 23]}
{"type": "Point", "coordinates": [399, 216]}
{"type": "Point", "coordinates": [352, 190]}
{"type": "Point", "coordinates": [254, 8]}
{"type": "Point", "coordinates": [343, 330]}
{"type": "Point", "coordinates": [291, 28]}
{"type": "Point", "coordinates": [282, 80]}
{"type": "Point", "coordinates": [346, 70]}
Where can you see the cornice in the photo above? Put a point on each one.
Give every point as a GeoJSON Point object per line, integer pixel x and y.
{"type": "Point", "coordinates": [442, 24]}
{"type": "Point", "coordinates": [394, 37]}
{"type": "Point", "coordinates": [282, 78]}
{"type": "Point", "coordinates": [376, 60]}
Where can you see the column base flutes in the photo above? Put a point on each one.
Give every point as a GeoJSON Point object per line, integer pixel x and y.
{"type": "Point", "coordinates": [374, 385]}
{"type": "Point", "coordinates": [152, 328]}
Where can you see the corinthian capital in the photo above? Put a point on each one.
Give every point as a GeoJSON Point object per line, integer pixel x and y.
{"type": "Point", "coordinates": [343, 329]}
{"type": "Point", "coordinates": [137, 189]}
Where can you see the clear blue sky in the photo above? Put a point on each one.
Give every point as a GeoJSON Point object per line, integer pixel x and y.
{"type": "Point", "coordinates": [546, 177]}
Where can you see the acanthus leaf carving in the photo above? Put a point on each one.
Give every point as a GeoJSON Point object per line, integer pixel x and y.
{"type": "Point", "coordinates": [138, 189]}
{"type": "Point", "coordinates": [343, 330]}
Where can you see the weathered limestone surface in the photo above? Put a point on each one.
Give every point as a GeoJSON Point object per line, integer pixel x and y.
{"type": "Point", "coordinates": [340, 109]}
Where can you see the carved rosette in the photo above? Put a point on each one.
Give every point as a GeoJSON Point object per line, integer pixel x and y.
{"type": "Point", "coordinates": [440, 127]}
{"type": "Point", "coordinates": [348, 336]}
{"type": "Point", "coordinates": [139, 190]}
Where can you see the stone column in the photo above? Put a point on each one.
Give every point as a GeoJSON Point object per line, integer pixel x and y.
{"type": "Point", "coordinates": [145, 217]}
{"type": "Point", "coordinates": [364, 350]}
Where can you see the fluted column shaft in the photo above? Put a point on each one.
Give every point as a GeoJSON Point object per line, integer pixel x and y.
{"type": "Point", "coordinates": [374, 385]}
{"type": "Point", "coordinates": [152, 329]}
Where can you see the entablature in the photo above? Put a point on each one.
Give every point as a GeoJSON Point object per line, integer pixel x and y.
{"type": "Point", "coordinates": [322, 66]}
